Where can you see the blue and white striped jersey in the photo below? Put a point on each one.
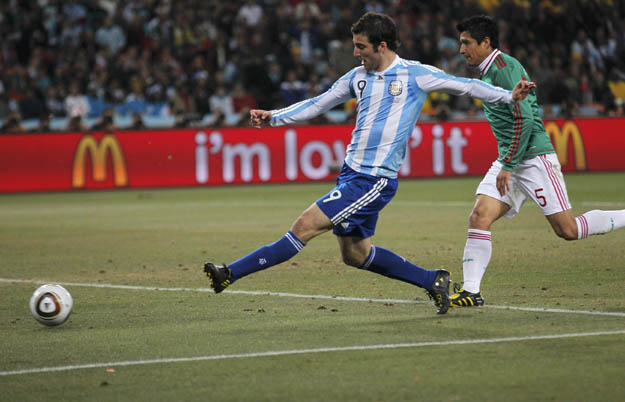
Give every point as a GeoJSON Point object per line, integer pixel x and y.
{"type": "Point", "coordinates": [388, 104]}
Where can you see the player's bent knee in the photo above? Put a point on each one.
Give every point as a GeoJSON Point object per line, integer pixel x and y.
{"type": "Point", "coordinates": [479, 220]}
{"type": "Point", "coordinates": [307, 226]}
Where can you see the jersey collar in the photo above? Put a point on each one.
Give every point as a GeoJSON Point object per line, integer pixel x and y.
{"type": "Point", "coordinates": [488, 61]}
{"type": "Point", "coordinates": [393, 64]}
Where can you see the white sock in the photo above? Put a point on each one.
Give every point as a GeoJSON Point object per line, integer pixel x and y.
{"type": "Point", "coordinates": [477, 252]}
{"type": "Point", "coordinates": [597, 222]}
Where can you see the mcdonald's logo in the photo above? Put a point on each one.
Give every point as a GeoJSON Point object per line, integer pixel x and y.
{"type": "Point", "coordinates": [98, 152]}
{"type": "Point", "coordinates": [560, 138]}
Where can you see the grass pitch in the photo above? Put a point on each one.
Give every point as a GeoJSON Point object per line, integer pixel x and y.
{"type": "Point", "coordinates": [187, 344]}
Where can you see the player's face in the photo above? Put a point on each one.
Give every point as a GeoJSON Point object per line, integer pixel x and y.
{"type": "Point", "coordinates": [472, 51]}
{"type": "Point", "coordinates": [363, 49]}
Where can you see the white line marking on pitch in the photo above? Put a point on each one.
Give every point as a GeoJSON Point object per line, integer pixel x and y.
{"type": "Point", "coordinates": [307, 351]}
{"type": "Point", "coordinates": [304, 296]}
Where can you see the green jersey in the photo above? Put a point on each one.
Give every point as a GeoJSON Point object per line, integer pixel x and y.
{"type": "Point", "coordinates": [518, 127]}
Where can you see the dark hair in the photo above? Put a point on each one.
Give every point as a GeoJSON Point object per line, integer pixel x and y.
{"type": "Point", "coordinates": [378, 28]}
{"type": "Point", "coordinates": [480, 27]}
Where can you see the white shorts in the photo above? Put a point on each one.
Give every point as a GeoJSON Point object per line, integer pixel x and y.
{"type": "Point", "coordinates": [538, 178]}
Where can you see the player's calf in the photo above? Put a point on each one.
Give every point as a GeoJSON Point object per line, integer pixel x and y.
{"type": "Point", "coordinates": [564, 225]}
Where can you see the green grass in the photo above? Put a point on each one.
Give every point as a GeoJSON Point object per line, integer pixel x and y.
{"type": "Point", "coordinates": [161, 238]}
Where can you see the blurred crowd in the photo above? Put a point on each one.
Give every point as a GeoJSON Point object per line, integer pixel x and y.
{"type": "Point", "coordinates": [206, 63]}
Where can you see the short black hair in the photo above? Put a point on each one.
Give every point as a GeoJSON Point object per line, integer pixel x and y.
{"type": "Point", "coordinates": [378, 28]}
{"type": "Point", "coordinates": [480, 27]}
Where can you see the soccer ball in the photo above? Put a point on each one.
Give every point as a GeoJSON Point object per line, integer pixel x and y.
{"type": "Point", "coordinates": [51, 305]}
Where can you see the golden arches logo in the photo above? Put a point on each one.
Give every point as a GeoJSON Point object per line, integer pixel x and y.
{"type": "Point", "coordinates": [560, 138]}
{"type": "Point", "coordinates": [98, 152]}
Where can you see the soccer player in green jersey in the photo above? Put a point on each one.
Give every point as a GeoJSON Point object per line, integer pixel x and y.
{"type": "Point", "coordinates": [527, 166]}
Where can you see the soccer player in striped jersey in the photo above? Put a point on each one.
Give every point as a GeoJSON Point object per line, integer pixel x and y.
{"type": "Point", "coordinates": [390, 93]}
{"type": "Point", "coordinates": [527, 166]}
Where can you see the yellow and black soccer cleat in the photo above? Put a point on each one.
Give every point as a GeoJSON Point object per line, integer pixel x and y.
{"type": "Point", "coordinates": [466, 299]}
{"type": "Point", "coordinates": [219, 276]}
{"type": "Point", "coordinates": [440, 291]}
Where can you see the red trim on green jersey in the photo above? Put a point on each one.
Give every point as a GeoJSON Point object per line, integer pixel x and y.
{"type": "Point", "coordinates": [500, 62]}
{"type": "Point", "coordinates": [518, 130]}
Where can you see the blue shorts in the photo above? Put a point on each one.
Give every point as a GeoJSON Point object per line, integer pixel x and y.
{"type": "Point", "coordinates": [354, 204]}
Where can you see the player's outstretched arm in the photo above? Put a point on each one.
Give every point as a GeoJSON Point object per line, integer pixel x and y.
{"type": "Point", "coordinates": [432, 79]}
{"type": "Point", "coordinates": [522, 89]}
{"type": "Point", "coordinates": [260, 118]}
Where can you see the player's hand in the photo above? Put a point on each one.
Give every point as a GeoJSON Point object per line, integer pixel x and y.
{"type": "Point", "coordinates": [522, 89]}
{"type": "Point", "coordinates": [503, 182]}
{"type": "Point", "coordinates": [260, 118]}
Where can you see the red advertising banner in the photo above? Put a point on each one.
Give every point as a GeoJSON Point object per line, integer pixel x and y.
{"type": "Point", "coordinates": [205, 157]}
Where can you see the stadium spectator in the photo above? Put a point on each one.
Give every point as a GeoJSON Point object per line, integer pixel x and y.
{"type": "Point", "coordinates": [75, 123]}
{"type": "Point", "coordinates": [13, 124]}
{"type": "Point", "coordinates": [606, 46]}
{"type": "Point", "coordinates": [5, 109]}
{"type": "Point", "coordinates": [71, 32]}
{"type": "Point", "coordinates": [136, 90]}
{"type": "Point", "coordinates": [584, 91]}
{"type": "Point", "coordinates": [44, 124]}
{"type": "Point", "coordinates": [543, 76]}
{"type": "Point", "coordinates": [137, 122]}
{"type": "Point", "coordinates": [31, 106]}
{"type": "Point", "coordinates": [55, 104]}
{"type": "Point", "coordinates": [306, 38]}
{"type": "Point", "coordinates": [307, 9]}
{"type": "Point", "coordinates": [603, 96]}
{"type": "Point", "coordinates": [579, 46]}
{"type": "Point", "coordinates": [201, 93]}
{"type": "Point", "coordinates": [221, 102]}
{"type": "Point", "coordinates": [252, 58]}
{"type": "Point", "coordinates": [182, 120]}
{"type": "Point", "coordinates": [279, 21]}
{"type": "Point", "coordinates": [181, 100]}
{"type": "Point", "coordinates": [110, 36]}
{"type": "Point", "coordinates": [74, 10]}
{"type": "Point", "coordinates": [341, 55]}
{"type": "Point", "coordinates": [292, 90]}
{"type": "Point", "coordinates": [76, 104]}
{"type": "Point", "coordinates": [250, 14]}
{"type": "Point", "coordinates": [106, 123]}
{"type": "Point", "coordinates": [182, 31]}
{"type": "Point", "coordinates": [243, 102]}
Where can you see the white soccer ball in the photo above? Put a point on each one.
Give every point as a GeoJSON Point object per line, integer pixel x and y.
{"type": "Point", "coordinates": [51, 304]}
